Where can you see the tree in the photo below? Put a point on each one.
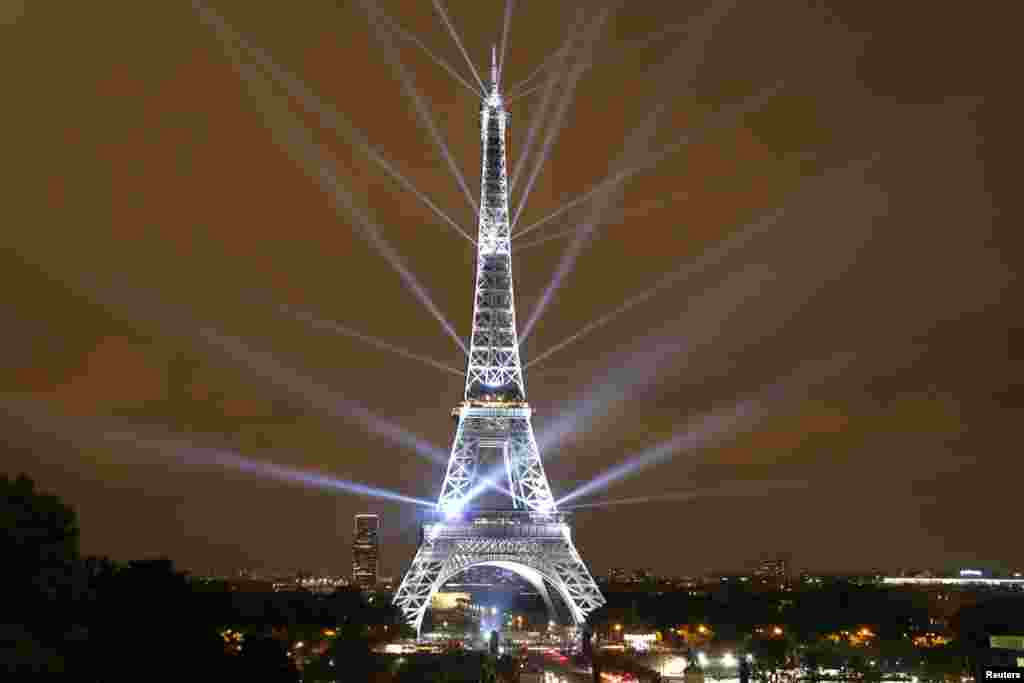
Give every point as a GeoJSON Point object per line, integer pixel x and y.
{"type": "Point", "coordinates": [770, 655]}
{"type": "Point", "coordinates": [39, 539]}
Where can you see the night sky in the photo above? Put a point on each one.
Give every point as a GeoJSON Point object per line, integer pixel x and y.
{"type": "Point", "coordinates": [152, 206]}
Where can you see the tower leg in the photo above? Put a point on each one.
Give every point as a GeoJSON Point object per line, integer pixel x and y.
{"type": "Point", "coordinates": [546, 597]}
{"type": "Point", "coordinates": [418, 586]}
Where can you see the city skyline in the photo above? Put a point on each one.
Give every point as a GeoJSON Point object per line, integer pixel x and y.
{"type": "Point", "coordinates": [206, 299]}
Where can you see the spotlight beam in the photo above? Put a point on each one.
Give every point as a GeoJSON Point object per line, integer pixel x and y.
{"type": "Point", "coordinates": [755, 488]}
{"type": "Point", "coordinates": [751, 104]}
{"type": "Point", "coordinates": [701, 432]}
{"type": "Point", "coordinates": [537, 117]}
{"type": "Point", "coordinates": [524, 93]}
{"type": "Point", "coordinates": [318, 395]}
{"type": "Point", "coordinates": [540, 68]}
{"type": "Point", "coordinates": [458, 41]}
{"type": "Point", "coordinates": [333, 119]}
{"type": "Point", "coordinates": [555, 127]}
{"type": "Point", "coordinates": [623, 214]}
{"type": "Point", "coordinates": [637, 141]}
{"type": "Point", "coordinates": [506, 23]}
{"type": "Point", "coordinates": [231, 460]}
{"type": "Point", "coordinates": [651, 357]}
{"type": "Point", "coordinates": [373, 341]}
{"type": "Point", "coordinates": [296, 140]}
{"type": "Point", "coordinates": [707, 259]}
{"type": "Point", "coordinates": [406, 35]}
{"type": "Point", "coordinates": [714, 427]}
{"type": "Point", "coordinates": [408, 85]}
{"type": "Point", "coordinates": [489, 481]}
{"type": "Point", "coordinates": [95, 430]}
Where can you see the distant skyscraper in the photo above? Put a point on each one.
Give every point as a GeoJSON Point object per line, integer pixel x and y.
{"type": "Point", "coordinates": [366, 551]}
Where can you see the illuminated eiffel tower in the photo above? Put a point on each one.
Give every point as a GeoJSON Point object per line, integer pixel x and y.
{"type": "Point", "coordinates": [494, 444]}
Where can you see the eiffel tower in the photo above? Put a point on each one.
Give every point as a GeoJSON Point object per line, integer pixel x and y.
{"type": "Point", "coordinates": [529, 536]}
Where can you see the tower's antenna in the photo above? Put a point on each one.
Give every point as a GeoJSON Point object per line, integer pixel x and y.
{"type": "Point", "coordinates": [494, 67]}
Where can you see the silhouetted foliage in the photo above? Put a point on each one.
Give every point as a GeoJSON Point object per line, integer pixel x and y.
{"type": "Point", "coordinates": [39, 539]}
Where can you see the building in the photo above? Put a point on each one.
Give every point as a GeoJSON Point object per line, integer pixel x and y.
{"type": "Point", "coordinates": [366, 551]}
{"type": "Point", "coordinates": [776, 570]}
{"type": "Point", "coordinates": [617, 575]}
{"type": "Point", "coordinates": [643, 575]}
{"type": "Point", "coordinates": [321, 583]}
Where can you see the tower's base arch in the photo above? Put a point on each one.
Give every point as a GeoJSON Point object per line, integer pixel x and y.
{"type": "Point", "coordinates": [537, 547]}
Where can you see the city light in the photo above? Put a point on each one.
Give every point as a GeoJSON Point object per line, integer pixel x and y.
{"type": "Point", "coordinates": [729, 660]}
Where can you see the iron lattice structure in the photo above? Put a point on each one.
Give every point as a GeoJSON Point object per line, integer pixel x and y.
{"type": "Point", "coordinates": [532, 538]}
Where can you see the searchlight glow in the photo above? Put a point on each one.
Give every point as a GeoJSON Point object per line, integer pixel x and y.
{"type": "Point", "coordinates": [710, 427]}
{"type": "Point", "coordinates": [297, 141]}
{"type": "Point", "coordinates": [188, 452]}
{"type": "Point", "coordinates": [320, 396]}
